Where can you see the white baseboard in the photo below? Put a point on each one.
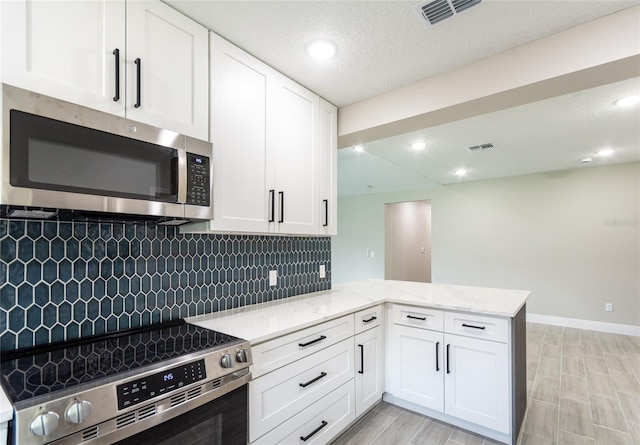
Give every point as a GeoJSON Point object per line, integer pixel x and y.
{"type": "Point", "coordinates": [577, 323]}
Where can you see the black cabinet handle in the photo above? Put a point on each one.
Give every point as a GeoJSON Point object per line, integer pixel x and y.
{"type": "Point", "coordinates": [416, 318]}
{"type": "Point", "coordinates": [448, 370]}
{"type": "Point", "coordinates": [322, 374]}
{"type": "Point", "coordinates": [361, 359]}
{"type": "Point", "coordinates": [472, 326]}
{"type": "Point", "coordinates": [437, 358]}
{"type": "Point", "coordinates": [272, 201]}
{"type": "Point", "coordinates": [326, 212]}
{"type": "Point", "coordinates": [305, 438]}
{"type": "Point", "coordinates": [138, 63]}
{"type": "Point", "coordinates": [373, 317]}
{"type": "Point", "coordinates": [281, 194]}
{"type": "Point", "coordinates": [303, 345]}
{"type": "Point", "coordinates": [116, 53]}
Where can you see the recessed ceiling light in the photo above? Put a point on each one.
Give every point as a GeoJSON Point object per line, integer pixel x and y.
{"type": "Point", "coordinates": [460, 172]}
{"type": "Point", "coordinates": [628, 101]}
{"type": "Point", "coordinates": [321, 49]}
{"type": "Point", "coordinates": [605, 152]}
{"type": "Point", "coordinates": [358, 148]}
{"type": "Point", "coordinates": [585, 160]}
{"type": "Point", "coordinates": [418, 145]}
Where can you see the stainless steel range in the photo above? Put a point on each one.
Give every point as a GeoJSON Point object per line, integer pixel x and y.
{"type": "Point", "coordinates": [171, 383]}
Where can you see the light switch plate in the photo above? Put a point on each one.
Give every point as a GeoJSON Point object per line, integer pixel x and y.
{"type": "Point", "coordinates": [323, 271]}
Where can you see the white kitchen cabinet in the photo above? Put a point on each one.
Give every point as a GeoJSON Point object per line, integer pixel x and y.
{"type": "Point", "coordinates": [477, 381]}
{"type": "Point", "coordinates": [297, 160]}
{"type": "Point", "coordinates": [267, 133]}
{"type": "Point", "coordinates": [243, 169]}
{"type": "Point", "coordinates": [453, 366]}
{"type": "Point", "coordinates": [65, 49]}
{"type": "Point", "coordinates": [77, 51]}
{"type": "Point", "coordinates": [328, 149]}
{"type": "Point", "coordinates": [369, 369]}
{"type": "Point", "coordinates": [171, 53]}
{"type": "Point", "coordinates": [415, 366]}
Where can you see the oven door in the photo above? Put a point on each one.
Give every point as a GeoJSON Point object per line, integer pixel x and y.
{"type": "Point", "coordinates": [223, 421]}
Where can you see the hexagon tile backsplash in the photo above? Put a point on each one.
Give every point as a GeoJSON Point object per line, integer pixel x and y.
{"type": "Point", "coordinates": [65, 280]}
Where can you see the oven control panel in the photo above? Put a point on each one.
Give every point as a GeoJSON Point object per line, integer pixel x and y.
{"type": "Point", "coordinates": [139, 390]}
{"type": "Point", "coordinates": [198, 180]}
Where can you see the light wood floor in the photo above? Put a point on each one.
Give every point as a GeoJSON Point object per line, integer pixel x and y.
{"type": "Point", "coordinates": [583, 388]}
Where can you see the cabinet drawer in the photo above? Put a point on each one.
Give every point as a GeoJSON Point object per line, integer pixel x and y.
{"type": "Point", "coordinates": [279, 395]}
{"type": "Point", "coordinates": [281, 351]}
{"type": "Point", "coordinates": [328, 417]}
{"type": "Point", "coordinates": [478, 326]}
{"type": "Point", "coordinates": [368, 318]}
{"type": "Point", "coordinates": [418, 317]}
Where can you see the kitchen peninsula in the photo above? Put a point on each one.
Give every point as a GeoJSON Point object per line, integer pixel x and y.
{"type": "Point", "coordinates": [455, 353]}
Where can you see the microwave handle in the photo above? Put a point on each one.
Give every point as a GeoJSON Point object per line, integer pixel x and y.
{"type": "Point", "coordinates": [182, 175]}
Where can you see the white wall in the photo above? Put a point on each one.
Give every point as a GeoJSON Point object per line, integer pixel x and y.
{"type": "Point", "coordinates": [571, 237]}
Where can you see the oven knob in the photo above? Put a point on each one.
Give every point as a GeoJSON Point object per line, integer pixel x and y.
{"type": "Point", "coordinates": [78, 412]}
{"type": "Point", "coordinates": [241, 356]}
{"type": "Point", "coordinates": [226, 361]}
{"type": "Point", "coordinates": [44, 424]}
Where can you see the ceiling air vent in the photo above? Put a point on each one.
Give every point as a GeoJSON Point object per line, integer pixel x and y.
{"type": "Point", "coordinates": [481, 147]}
{"type": "Point", "coordinates": [435, 11]}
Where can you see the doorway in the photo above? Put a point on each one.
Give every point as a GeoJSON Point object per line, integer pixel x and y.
{"type": "Point", "coordinates": [407, 241]}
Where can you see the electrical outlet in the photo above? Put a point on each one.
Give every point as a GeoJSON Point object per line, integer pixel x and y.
{"type": "Point", "coordinates": [608, 307]}
{"type": "Point", "coordinates": [323, 271]}
{"type": "Point", "coordinates": [273, 278]}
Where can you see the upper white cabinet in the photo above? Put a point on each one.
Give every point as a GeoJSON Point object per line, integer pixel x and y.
{"type": "Point", "coordinates": [328, 167]}
{"type": "Point", "coordinates": [65, 49]}
{"type": "Point", "coordinates": [77, 51]}
{"type": "Point", "coordinates": [274, 149]}
{"type": "Point", "coordinates": [170, 53]}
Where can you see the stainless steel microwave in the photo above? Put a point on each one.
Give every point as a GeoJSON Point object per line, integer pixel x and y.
{"type": "Point", "coordinates": [59, 155]}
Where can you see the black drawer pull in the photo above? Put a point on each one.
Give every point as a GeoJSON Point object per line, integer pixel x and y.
{"type": "Point", "coordinates": [373, 317]}
{"type": "Point", "coordinates": [416, 318]}
{"type": "Point", "coordinates": [448, 369]}
{"type": "Point", "coordinates": [437, 358]}
{"type": "Point", "coordinates": [361, 359]}
{"type": "Point", "coordinates": [322, 374]}
{"type": "Point", "coordinates": [303, 345]}
{"type": "Point", "coordinates": [326, 212]}
{"type": "Point", "coordinates": [305, 438]}
{"type": "Point", "coordinates": [281, 195]}
{"type": "Point", "coordinates": [464, 325]}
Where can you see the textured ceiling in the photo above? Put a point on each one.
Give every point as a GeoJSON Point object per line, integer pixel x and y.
{"type": "Point", "coordinates": [548, 135]}
{"type": "Point", "coordinates": [383, 44]}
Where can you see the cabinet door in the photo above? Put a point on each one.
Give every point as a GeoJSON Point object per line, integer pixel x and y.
{"type": "Point", "coordinates": [477, 381]}
{"type": "Point", "coordinates": [241, 180]}
{"type": "Point", "coordinates": [296, 157]}
{"type": "Point", "coordinates": [65, 49]}
{"type": "Point", "coordinates": [172, 90]}
{"type": "Point", "coordinates": [415, 367]}
{"type": "Point", "coordinates": [328, 140]}
{"type": "Point", "coordinates": [368, 358]}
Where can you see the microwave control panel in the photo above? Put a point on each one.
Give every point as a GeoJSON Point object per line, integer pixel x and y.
{"type": "Point", "coordinates": [198, 180]}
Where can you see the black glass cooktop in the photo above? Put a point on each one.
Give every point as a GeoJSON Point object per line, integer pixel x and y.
{"type": "Point", "coordinates": [26, 374]}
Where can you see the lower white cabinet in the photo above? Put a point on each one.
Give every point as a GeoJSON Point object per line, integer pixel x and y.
{"type": "Point", "coordinates": [318, 423]}
{"type": "Point", "coordinates": [464, 377]}
{"type": "Point", "coordinates": [477, 381]}
{"type": "Point", "coordinates": [281, 394]}
{"type": "Point", "coordinates": [416, 355]}
{"type": "Point", "coordinates": [369, 369]}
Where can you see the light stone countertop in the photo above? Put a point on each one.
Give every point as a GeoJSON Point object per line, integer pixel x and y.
{"type": "Point", "coordinates": [261, 322]}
